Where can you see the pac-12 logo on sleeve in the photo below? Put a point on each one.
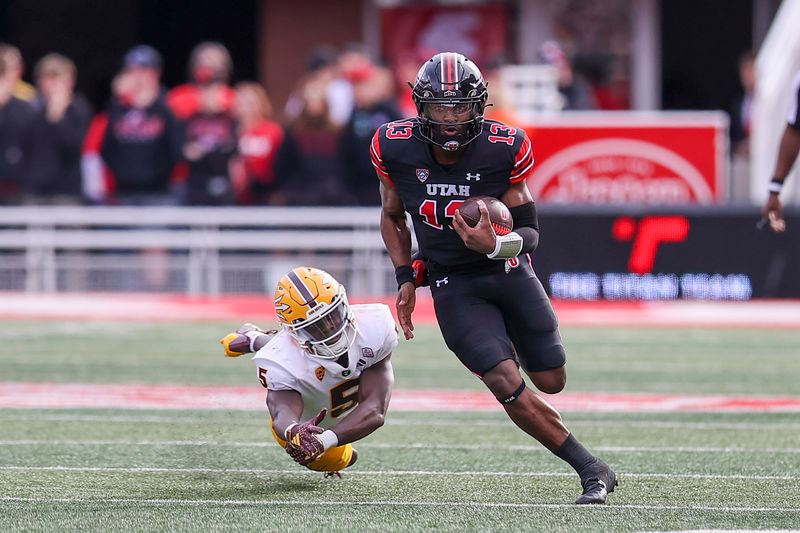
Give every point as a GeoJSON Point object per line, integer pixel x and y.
{"type": "Point", "coordinates": [423, 174]}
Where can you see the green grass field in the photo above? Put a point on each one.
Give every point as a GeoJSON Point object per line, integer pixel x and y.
{"type": "Point", "coordinates": [133, 469]}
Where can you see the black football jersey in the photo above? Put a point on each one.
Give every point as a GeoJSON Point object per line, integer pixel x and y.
{"type": "Point", "coordinates": [500, 156]}
{"type": "Point", "coordinates": [794, 112]}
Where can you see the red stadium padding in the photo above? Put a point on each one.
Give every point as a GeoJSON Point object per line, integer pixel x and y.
{"type": "Point", "coordinates": [160, 396]}
{"type": "Point", "coordinates": [773, 314]}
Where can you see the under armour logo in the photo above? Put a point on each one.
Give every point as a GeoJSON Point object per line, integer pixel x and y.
{"type": "Point", "coordinates": [476, 176]}
{"type": "Point", "coordinates": [440, 282]}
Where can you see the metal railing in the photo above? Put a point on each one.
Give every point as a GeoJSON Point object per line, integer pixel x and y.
{"type": "Point", "coordinates": [192, 250]}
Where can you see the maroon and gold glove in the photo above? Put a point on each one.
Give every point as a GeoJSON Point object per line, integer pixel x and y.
{"type": "Point", "coordinates": [302, 443]}
{"type": "Point", "coordinates": [238, 343]}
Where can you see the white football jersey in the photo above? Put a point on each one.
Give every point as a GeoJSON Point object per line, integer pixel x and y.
{"type": "Point", "coordinates": [284, 365]}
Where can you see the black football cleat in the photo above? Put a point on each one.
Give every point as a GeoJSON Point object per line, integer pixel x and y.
{"type": "Point", "coordinates": [597, 485]}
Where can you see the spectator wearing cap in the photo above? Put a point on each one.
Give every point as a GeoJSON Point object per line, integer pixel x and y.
{"type": "Point", "coordinates": [62, 119]}
{"type": "Point", "coordinates": [15, 67]}
{"type": "Point", "coordinates": [16, 129]}
{"type": "Point", "coordinates": [205, 107]}
{"type": "Point", "coordinates": [141, 138]}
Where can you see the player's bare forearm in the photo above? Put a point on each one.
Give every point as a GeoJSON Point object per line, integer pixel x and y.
{"type": "Point", "coordinates": [787, 155]}
{"type": "Point", "coordinates": [787, 152]}
{"type": "Point", "coordinates": [397, 238]}
{"type": "Point", "coordinates": [517, 194]}
{"type": "Point", "coordinates": [394, 229]}
{"type": "Point", "coordinates": [374, 392]}
{"type": "Point", "coordinates": [285, 408]}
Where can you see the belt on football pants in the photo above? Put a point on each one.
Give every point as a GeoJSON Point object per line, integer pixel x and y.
{"type": "Point", "coordinates": [487, 266]}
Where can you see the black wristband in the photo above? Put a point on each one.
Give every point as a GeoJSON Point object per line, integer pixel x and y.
{"type": "Point", "coordinates": [403, 274]}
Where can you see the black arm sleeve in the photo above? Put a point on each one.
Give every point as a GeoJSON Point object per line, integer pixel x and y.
{"type": "Point", "coordinates": [526, 225]}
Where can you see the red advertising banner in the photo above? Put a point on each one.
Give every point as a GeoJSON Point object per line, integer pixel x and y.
{"type": "Point", "coordinates": [418, 32]}
{"type": "Point", "coordinates": [631, 158]}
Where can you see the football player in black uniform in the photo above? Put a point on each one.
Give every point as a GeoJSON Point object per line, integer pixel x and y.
{"type": "Point", "coordinates": [492, 310]}
{"type": "Point", "coordinates": [787, 155]}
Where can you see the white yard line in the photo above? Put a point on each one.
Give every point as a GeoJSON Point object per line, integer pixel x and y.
{"type": "Point", "coordinates": [600, 424]}
{"type": "Point", "coordinates": [402, 503]}
{"type": "Point", "coordinates": [380, 473]}
{"type": "Point", "coordinates": [392, 446]}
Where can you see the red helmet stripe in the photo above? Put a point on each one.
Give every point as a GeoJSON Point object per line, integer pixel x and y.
{"type": "Point", "coordinates": [449, 69]}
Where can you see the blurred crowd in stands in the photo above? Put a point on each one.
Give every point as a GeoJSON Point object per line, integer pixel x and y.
{"type": "Point", "coordinates": [202, 143]}
{"type": "Point", "coordinates": [206, 142]}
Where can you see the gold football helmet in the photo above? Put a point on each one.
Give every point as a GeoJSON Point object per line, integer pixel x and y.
{"type": "Point", "coordinates": [313, 306]}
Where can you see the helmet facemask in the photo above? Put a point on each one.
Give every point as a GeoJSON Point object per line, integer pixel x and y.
{"type": "Point", "coordinates": [463, 116]}
{"type": "Point", "coordinates": [329, 329]}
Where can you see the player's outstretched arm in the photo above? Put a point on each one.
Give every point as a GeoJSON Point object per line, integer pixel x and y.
{"type": "Point", "coordinates": [374, 392]}
{"type": "Point", "coordinates": [397, 239]}
{"type": "Point", "coordinates": [787, 155]}
{"type": "Point", "coordinates": [249, 338]}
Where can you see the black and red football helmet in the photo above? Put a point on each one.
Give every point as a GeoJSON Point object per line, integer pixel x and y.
{"type": "Point", "coordinates": [450, 80]}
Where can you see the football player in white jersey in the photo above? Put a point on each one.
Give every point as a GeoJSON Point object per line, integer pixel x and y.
{"type": "Point", "coordinates": [327, 371]}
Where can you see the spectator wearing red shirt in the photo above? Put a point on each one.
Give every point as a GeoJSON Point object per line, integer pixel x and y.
{"type": "Point", "coordinates": [307, 165]}
{"type": "Point", "coordinates": [205, 106]}
{"type": "Point", "coordinates": [210, 69]}
{"type": "Point", "coordinates": [259, 140]}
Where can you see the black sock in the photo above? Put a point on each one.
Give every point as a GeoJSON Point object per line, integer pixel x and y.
{"type": "Point", "coordinates": [575, 454]}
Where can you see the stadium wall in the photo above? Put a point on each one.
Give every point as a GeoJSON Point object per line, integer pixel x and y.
{"type": "Point", "coordinates": [586, 252]}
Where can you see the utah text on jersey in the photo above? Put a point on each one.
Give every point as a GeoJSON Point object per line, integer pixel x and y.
{"type": "Point", "coordinates": [499, 157]}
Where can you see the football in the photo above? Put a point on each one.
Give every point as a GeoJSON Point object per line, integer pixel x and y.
{"type": "Point", "coordinates": [499, 215]}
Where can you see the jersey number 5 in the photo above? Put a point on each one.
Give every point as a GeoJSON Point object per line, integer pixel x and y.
{"type": "Point", "coordinates": [344, 396]}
